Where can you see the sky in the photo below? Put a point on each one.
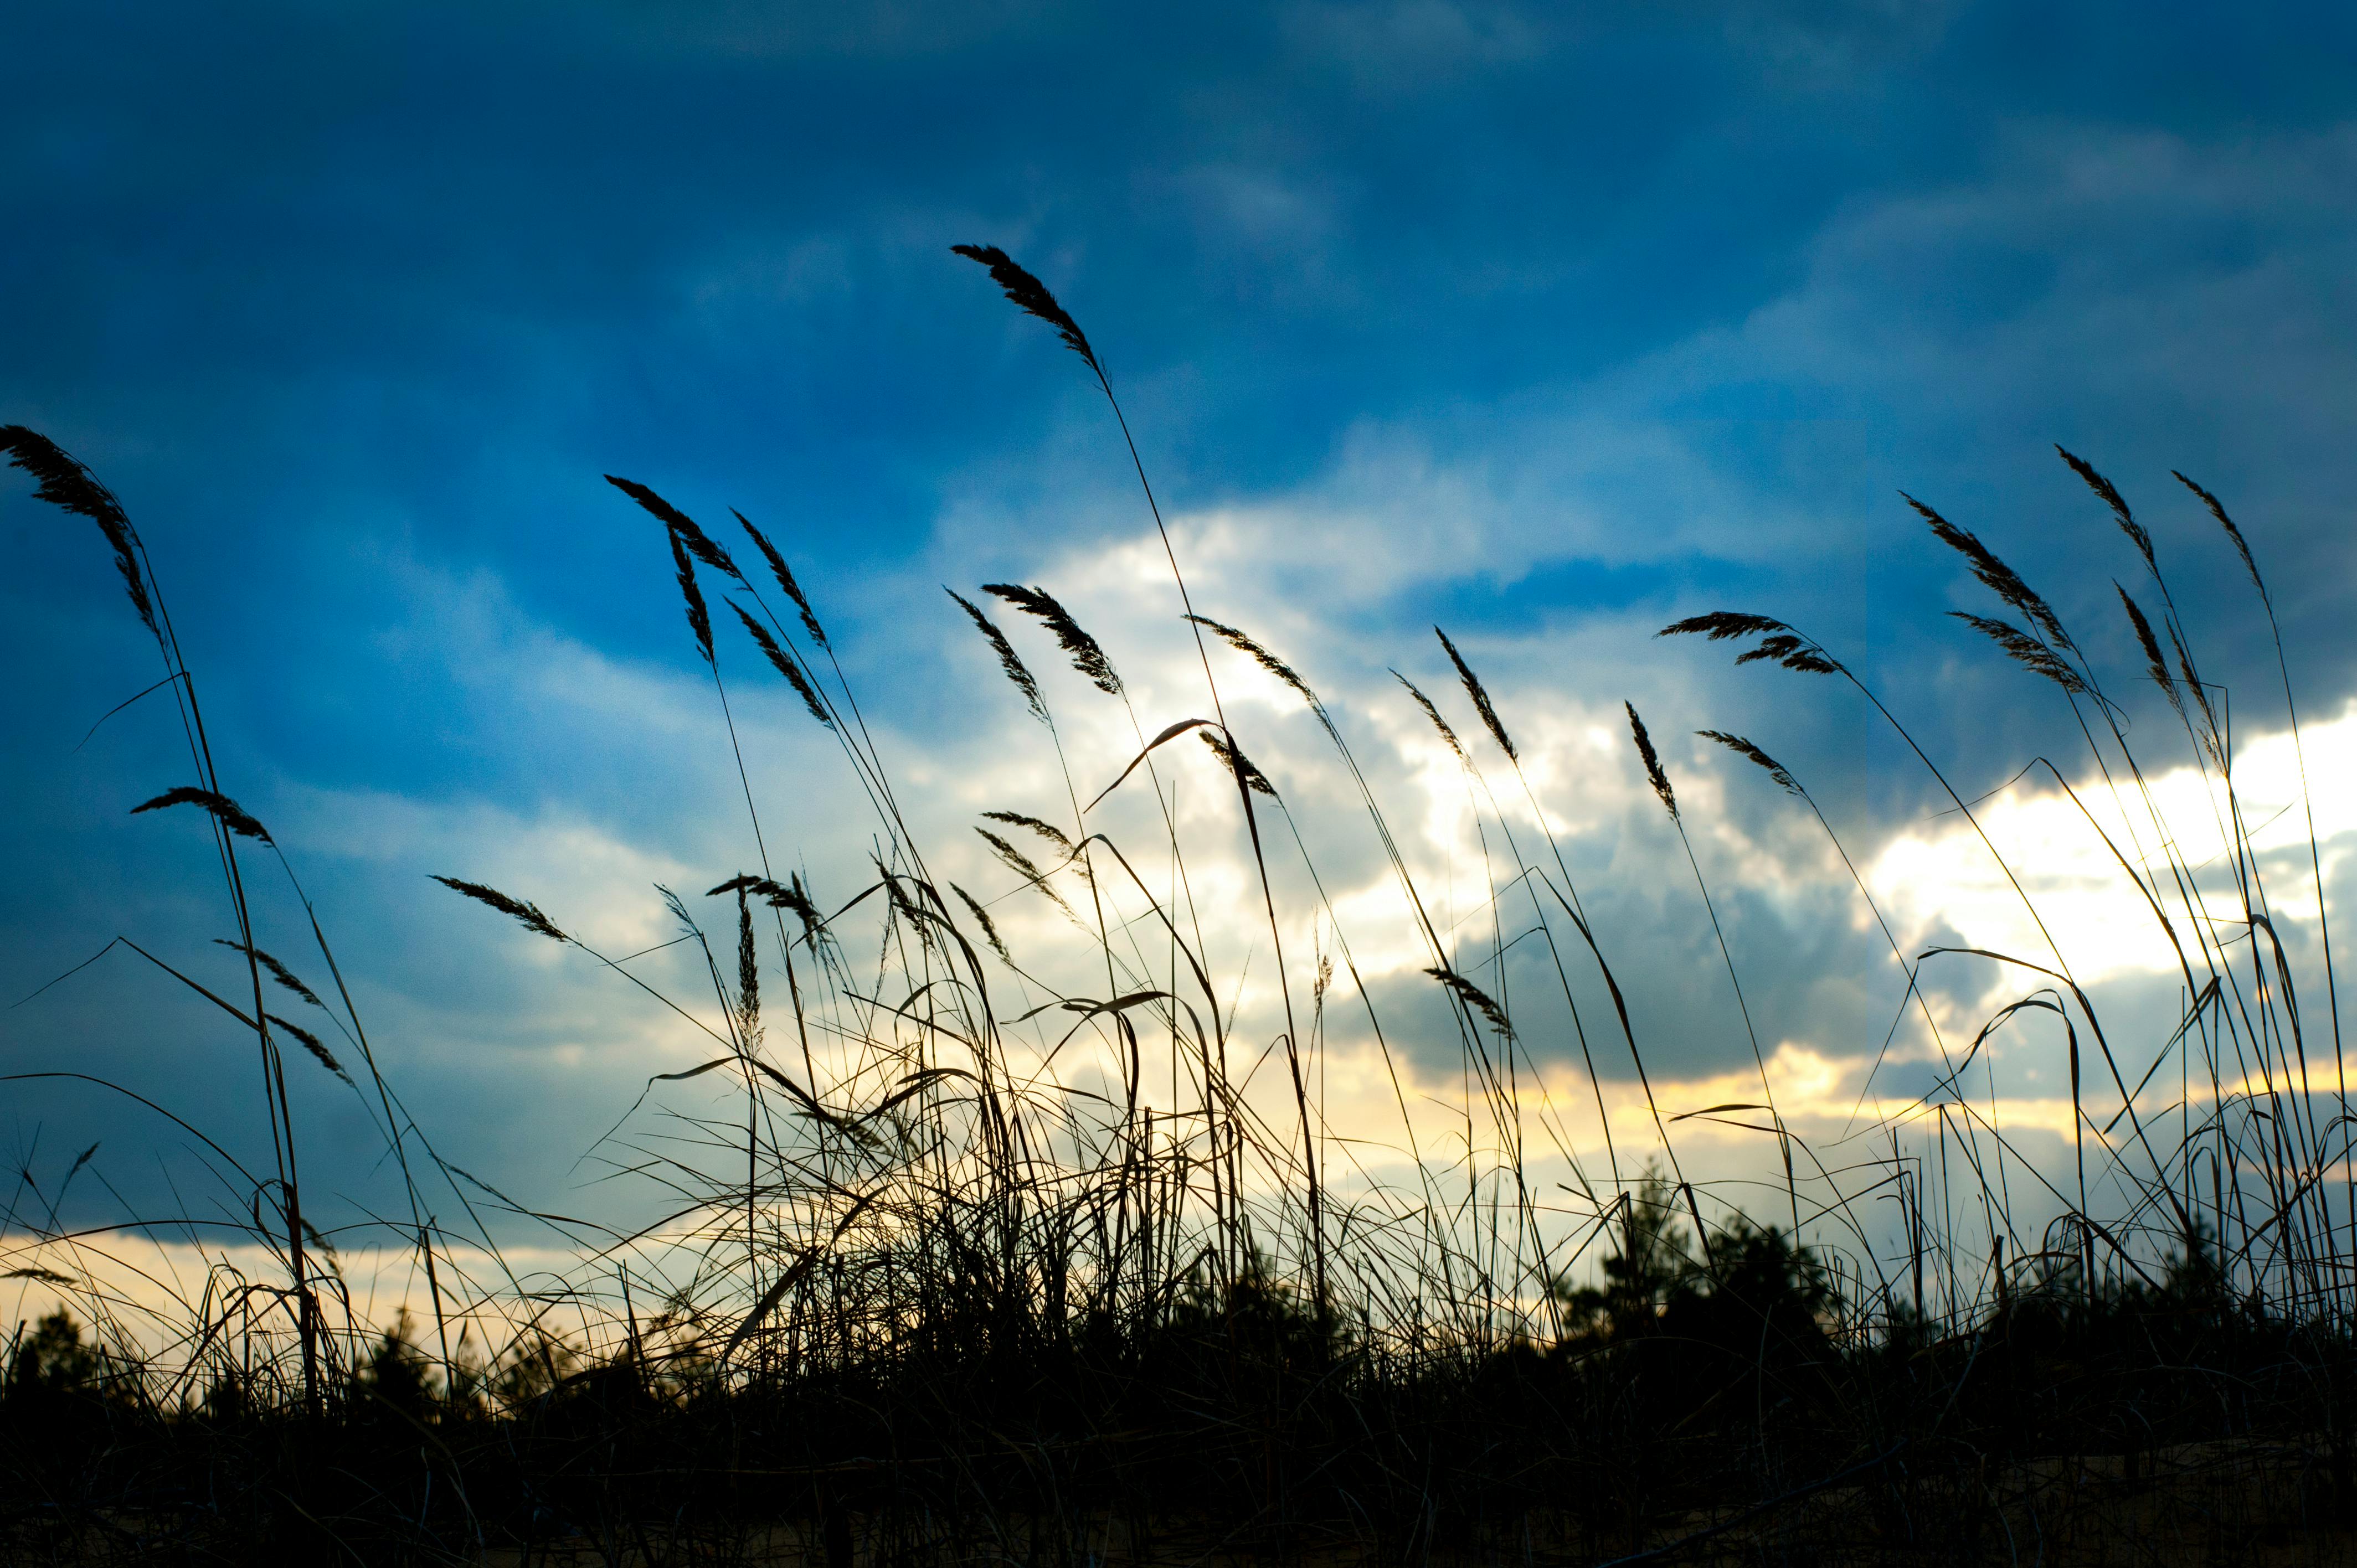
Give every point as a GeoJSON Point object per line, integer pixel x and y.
{"type": "Point", "coordinates": [1548, 325]}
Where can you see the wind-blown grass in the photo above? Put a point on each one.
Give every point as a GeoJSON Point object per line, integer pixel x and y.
{"type": "Point", "coordinates": [929, 1289]}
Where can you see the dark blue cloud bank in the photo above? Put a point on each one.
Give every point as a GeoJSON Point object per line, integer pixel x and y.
{"type": "Point", "coordinates": [1548, 324]}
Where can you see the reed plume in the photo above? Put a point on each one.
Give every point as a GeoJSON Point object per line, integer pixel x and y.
{"type": "Point", "coordinates": [1088, 655]}
{"type": "Point", "coordinates": [528, 913]}
{"type": "Point", "coordinates": [63, 482]}
{"type": "Point", "coordinates": [749, 977]}
{"type": "Point", "coordinates": [1433, 713]}
{"type": "Point", "coordinates": [1744, 749]}
{"type": "Point", "coordinates": [1481, 695]}
{"type": "Point", "coordinates": [1032, 297]}
{"type": "Point", "coordinates": [311, 1043]}
{"type": "Point", "coordinates": [785, 577]}
{"type": "Point", "coordinates": [278, 970]}
{"type": "Point", "coordinates": [1008, 660]}
{"type": "Point", "coordinates": [682, 526]}
{"type": "Point", "coordinates": [2241, 545]}
{"type": "Point", "coordinates": [1246, 771]}
{"type": "Point", "coordinates": [699, 620]}
{"type": "Point", "coordinates": [982, 917]}
{"type": "Point", "coordinates": [1652, 760]}
{"type": "Point", "coordinates": [2024, 650]}
{"type": "Point", "coordinates": [224, 811]}
{"type": "Point", "coordinates": [1778, 642]}
{"type": "Point", "coordinates": [1047, 830]}
{"type": "Point", "coordinates": [785, 664]}
{"type": "Point", "coordinates": [2001, 579]}
{"type": "Point", "coordinates": [1262, 657]}
{"type": "Point", "coordinates": [1023, 866]}
{"type": "Point", "coordinates": [2112, 498]}
{"type": "Point", "coordinates": [1478, 999]}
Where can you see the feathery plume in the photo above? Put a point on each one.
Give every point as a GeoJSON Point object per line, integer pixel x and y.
{"type": "Point", "coordinates": [982, 919]}
{"type": "Point", "coordinates": [226, 812]}
{"type": "Point", "coordinates": [682, 526]}
{"type": "Point", "coordinates": [64, 482]}
{"type": "Point", "coordinates": [1088, 655]}
{"type": "Point", "coordinates": [1032, 295]}
{"type": "Point", "coordinates": [311, 1043]}
{"type": "Point", "coordinates": [2025, 650]}
{"type": "Point", "coordinates": [2156, 665]}
{"type": "Point", "coordinates": [2111, 495]}
{"type": "Point", "coordinates": [749, 977]}
{"type": "Point", "coordinates": [278, 971]}
{"type": "Point", "coordinates": [1264, 658]}
{"type": "Point", "coordinates": [1778, 642]}
{"type": "Point", "coordinates": [1021, 864]}
{"type": "Point", "coordinates": [1433, 713]}
{"type": "Point", "coordinates": [785, 665]}
{"type": "Point", "coordinates": [1480, 696]}
{"type": "Point", "coordinates": [2001, 579]}
{"type": "Point", "coordinates": [1049, 831]}
{"type": "Point", "coordinates": [1008, 659]}
{"type": "Point", "coordinates": [1744, 749]}
{"type": "Point", "coordinates": [1476, 997]}
{"type": "Point", "coordinates": [1653, 774]}
{"type": "Point", "coordinates": [785, 577]}
{"type": "Point", "coordinates": [528, 913]}
{"type": "Point", "coordinates": [1243, 766]}
{"type": "Point", "coordinates": [699, 620]}
{"type": "Point", "coordinates": [2241, 545]}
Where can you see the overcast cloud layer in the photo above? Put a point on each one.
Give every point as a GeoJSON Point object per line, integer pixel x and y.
{"type": "Point", "coordinates": [1547, 326]}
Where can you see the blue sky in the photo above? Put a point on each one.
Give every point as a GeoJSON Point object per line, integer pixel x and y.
{"type": "Point", "coordinates": [1549, 324]}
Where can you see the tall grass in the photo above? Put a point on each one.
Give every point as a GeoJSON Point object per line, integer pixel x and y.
{"type": "Point", "coordinates": [1008, 1251]}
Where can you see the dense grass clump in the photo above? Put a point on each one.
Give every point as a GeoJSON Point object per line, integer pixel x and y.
{"type": "Point", "coordinates": [1089, 1275]}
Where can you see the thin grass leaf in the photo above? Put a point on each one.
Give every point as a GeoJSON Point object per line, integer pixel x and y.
{"type": "Point", "coordinates": [1744, 749]}
{"type": "Point", "coordinates": [226, 812]}
{"type": "Point", "coordinates": [2241, 545]}
{"type": "Point", "coordinates": [785, 664]}
{"type": "Point", "coordinates": [63, 482]}
{"type": "Point", "coordinates": [785, 578]}
{"type": "Point", "coordinates": [1480, 696]}
{"type": "Point", "coordinates": [515, 908]}
{"type": "Point", "coordinates": [1088, 655]}
{"type": "Point", "coordinates": [1243, 766]}
{"type": "Point", "coordinates": [278, 971]}
{"type": "Point", "coordinates": [1653, 774]}
{"type": "Point", "coordinates": [982, 917]}
{"type": "Point", "coordinates": [1008, 659]}
{"type": "Point", "coordinates": [2112, 498]}
{"type": "Point", "coordinates": [1032, 295]}
{"type": "Point", "coordinates": [1476, 997]}
{"type": "Point", "coordinates": [1169, 733]}
{"type": "Point", "coordinates": [40, 1277]}
{"type": "Point", "coordinates": [311, 1044]}
{"type": "Point", "coordinates": [2025, 650]}
{"type": "Point", "coordinates": [1433, 713]}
